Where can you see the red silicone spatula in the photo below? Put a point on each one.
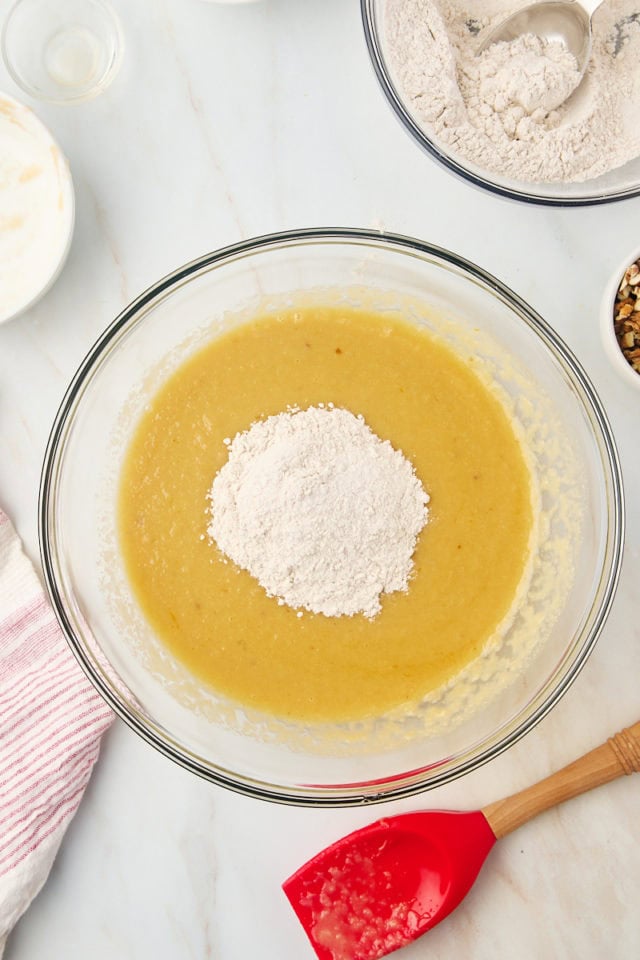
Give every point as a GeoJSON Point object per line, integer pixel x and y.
{"type": "Point", "coordinates": [384, 885]}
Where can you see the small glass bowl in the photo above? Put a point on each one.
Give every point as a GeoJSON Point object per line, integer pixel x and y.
{"type": "Point", "coordinates": [63, 52]}
{"type": "Point", "coordinates": [617, 184]}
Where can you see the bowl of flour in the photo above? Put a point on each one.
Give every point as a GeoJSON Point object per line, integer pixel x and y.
{"type": "Point", "coordinates": [500, 118]}
{"type": "Point", "coordinates": [36, 208]}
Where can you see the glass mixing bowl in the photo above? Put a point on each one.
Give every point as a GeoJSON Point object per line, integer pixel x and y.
{"type": "Point", "coordinates": [576, 550]}
{"type": "Point", "coordinates": [615, 185]}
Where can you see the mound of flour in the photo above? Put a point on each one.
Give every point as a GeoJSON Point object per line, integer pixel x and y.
{"type": "Point", "coordinates": [527, 76]}
{"type": "Point", "coordinates": [320, 510]}
{"type": "Point", "coordinates": [491, 110]}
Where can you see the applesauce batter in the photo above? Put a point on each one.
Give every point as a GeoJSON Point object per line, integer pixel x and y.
{"type": "Point", "coordinates": [412, 390]}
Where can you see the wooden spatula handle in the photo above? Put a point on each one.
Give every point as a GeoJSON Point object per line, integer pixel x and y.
{"type": "Point", "coordinates": [619, 755]}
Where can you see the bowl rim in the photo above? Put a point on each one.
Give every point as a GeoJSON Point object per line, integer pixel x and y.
{"type": "Point", "coordinates": [408, 783]}
{"type": "Point", "coordinates": [393, 97]}
{"type": "Point", "coordinates": [607, 332]}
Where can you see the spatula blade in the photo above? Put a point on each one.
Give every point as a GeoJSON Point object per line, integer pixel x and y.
{"type": "Point", "coordinates": [383, 886]}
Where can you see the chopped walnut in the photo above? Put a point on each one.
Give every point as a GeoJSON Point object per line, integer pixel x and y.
{"type": "Point", "coordinates": [626, 315]}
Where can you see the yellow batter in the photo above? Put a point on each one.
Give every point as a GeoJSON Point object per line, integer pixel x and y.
{"type": "Point", "coordinates": [470, 557]}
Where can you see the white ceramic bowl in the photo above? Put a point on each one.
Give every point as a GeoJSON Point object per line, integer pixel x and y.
{"type": "Point", "coordinates": [607, 332]}
{"type": "Point", "coordinates": [38, 242]}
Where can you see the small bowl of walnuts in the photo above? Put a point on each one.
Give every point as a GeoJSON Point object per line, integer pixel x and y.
{"type": "Point", "coordinates": [620, 321]}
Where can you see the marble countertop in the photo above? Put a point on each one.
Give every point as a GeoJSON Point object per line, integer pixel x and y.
{"type": "Point", "coordinates": [231, 121]}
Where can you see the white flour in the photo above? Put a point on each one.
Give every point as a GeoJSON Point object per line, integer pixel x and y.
{"type": "Point", "coordinates": [320, 510]}
{"type": "Point", "coordinates": [521, 78]}
{"type": "Point", "coordinates": [491, 110]}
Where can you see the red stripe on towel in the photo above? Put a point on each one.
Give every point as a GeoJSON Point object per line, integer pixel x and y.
{"type": "Point", "coordinates": [51, 717]}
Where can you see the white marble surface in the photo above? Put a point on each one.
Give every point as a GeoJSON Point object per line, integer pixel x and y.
{"type": "Point", "coordinates": [227, 122]}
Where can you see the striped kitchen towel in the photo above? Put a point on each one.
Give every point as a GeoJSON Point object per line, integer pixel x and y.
{"type": "Point", "coordinates": [51, 721]}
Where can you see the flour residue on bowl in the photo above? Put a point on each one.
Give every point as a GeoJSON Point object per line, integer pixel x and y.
{"type": "Point", "coordinates": [491, 110]}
